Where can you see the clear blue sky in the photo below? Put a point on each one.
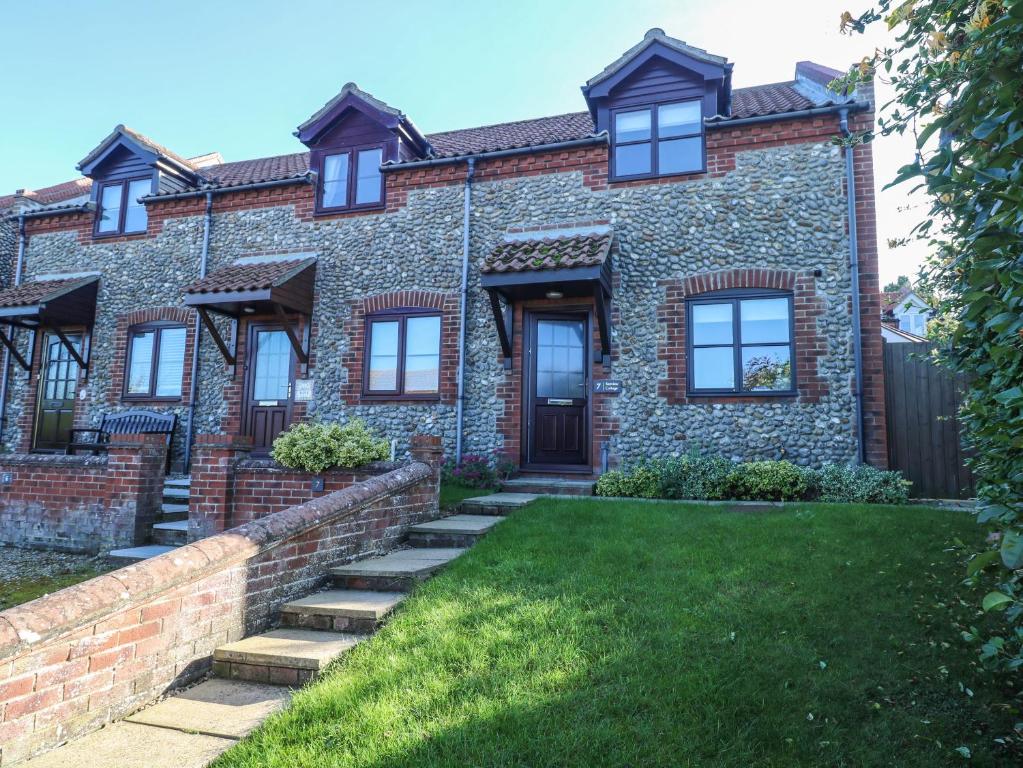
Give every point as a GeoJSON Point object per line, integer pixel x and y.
{"type": "Point", "coordinates": [239, 76]}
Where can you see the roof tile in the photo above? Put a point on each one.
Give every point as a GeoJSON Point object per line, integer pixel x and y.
{"type": "Point", "coordinates": [28, 294]}
{"type": "Point", "coordinates": [581, 250]}
{"type": "Point", "coordinates": [255, 276]}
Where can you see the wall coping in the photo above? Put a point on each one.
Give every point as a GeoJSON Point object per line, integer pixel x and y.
{"type": "Point", "coordinates": [52, 460]}
{"type": "Point", "coordinates": [66, 611]}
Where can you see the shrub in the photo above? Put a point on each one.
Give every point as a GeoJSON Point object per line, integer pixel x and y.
{"type": "Point", "coordinates": [695, 477]}
{"type": "Point", "coordinates": [768, 481]}
{"type": "Point", "coordinates": [862, 484]}
{"type": "Point", "coordinates": [315, 447]}
{"type": "Point", "coordinates": [478, 471]}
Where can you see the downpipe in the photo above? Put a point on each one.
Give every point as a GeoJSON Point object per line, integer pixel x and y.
{"type": "Point", "coordinates": [193, 386]}
{"type": "Point", "coordinates": [462, 307]}
{"type": "Point", "coordinates": [854, 276]}
{"type": "Point", "coordinates": [5, 376]}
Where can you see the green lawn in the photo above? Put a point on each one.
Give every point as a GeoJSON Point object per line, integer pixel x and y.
{"type": "Point", "coordinates": [452, 495]}
{"type": "Point", "coordinates": [589, 633]}
{"type": "Point", "coordinates": [20, 591]}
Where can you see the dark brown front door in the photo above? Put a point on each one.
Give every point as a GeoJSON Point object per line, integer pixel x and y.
{"type": "Point", "coordinates": [558, 416]}
{"type": "Point", "coordinates": [58, 383]}
{"type": "Point", "coordinates": [270, 374]}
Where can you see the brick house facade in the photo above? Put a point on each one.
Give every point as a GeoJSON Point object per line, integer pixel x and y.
{"type": "Point", "coordinates": [327, 283]}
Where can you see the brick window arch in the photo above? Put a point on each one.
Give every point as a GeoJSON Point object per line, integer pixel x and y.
{"type": "Point", "coordinates": [400, 304]}
{"type": "Point", "coordinates": [143, 320]}
{"type": "Point", "coordinates": [728, 287]}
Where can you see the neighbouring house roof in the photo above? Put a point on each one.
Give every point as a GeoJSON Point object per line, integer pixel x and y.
{"type": "Point", "coordinates": [252, 276]}
{"type": "Point", "coordinates": [894, 329]}
{"type": "Point", "coordinates": [578, 250]}
{"type": "Point", "coordinates": [893, 300]}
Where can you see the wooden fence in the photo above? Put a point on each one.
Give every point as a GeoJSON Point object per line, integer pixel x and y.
{"type": "Point", "coordinates": [922, 400]}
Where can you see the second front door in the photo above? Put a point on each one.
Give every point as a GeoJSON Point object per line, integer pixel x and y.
{"type": "Point", "coordinates": [269, 383]}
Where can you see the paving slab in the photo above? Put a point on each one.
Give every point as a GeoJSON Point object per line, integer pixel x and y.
{"type": "Point", "coordinates": [140, 553]}
{"type": "Point", "coordinates": [131, 745]}
{"type": "Point", "coordinates": [405, 562]}
{"type": "Point", "coordinates": [173, 508]}
{"type": "Point", "coordinates": [226, 708]}
{"type": "Point", "coordinates": [503, 499]}
{"type": "Point", "coordinates": [352, 603]}
{"type": "Point", "coordinates": [292, 648]}
{"type": "Point", "coordinates": [467, 524]}
{"type": "Point", "coordinates": [173, 525]}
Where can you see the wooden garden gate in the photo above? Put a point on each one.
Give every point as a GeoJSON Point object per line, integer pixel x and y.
{"type": "Point", "coordinates": [921, 401]}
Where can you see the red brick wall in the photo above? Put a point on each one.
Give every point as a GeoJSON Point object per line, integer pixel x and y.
{"type": "Point", "coordinates": [355, 332]}
{"type": "Point", "coordinates": [83, 503]}
{"type": "Point", "coordinates": [90, 654]}
{"type": "Point", "coordinates": [807, 309]}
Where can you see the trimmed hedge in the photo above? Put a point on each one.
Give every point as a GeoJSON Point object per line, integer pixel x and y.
{"type": "Point", "coordinates": [315, 447]}
{"type": "Point", "coordinates": [715, 478]}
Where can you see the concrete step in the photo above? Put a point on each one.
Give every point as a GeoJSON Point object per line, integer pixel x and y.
{"type": "Point", "coordinates": [341, 610]}
{"type": "Point", "coordinates": [230, 709]}
{"type": "Point", "coordinates": [175, 511]}
{"type": "Point", "coordinates": [394, 572]}
{"type": "Point", "coordinates": [551, 486]}
{"type": "Point", "coordinates": [281, 656]}
{"type": "Point", "coordinates": [453, 531]}
{"type": "Point", "coordinates": [177, 482]}
{"type": "Point", "coordinates": [134, 554]}
{"type": "Point", "coordinates": [172, 533]}
{"type": "Point", "coordinates": [496, 504]}
{"type": "Point", "coordinates": [173, 495]}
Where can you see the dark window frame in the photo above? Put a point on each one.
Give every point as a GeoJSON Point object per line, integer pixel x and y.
{"type": "Point", "coordinates": [122, 213]}
{"type": "Point", "coordinates": [401, 315]}
{"type": "Point", "coordinates": [654, 140]}
{"type": "Point", "coordinates": [353, 178]}
{"type": "Point", "coordinates": [735, 297]}
{"type": "Point", "coordinates": [158, 326]}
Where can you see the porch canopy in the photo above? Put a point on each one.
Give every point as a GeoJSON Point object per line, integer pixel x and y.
{"type": "Point", "coordinates": [49, 305]}
{"type": "Point", "coordinates": [252, 286]}
{"type": "Point", "coordinates": [575, 264]}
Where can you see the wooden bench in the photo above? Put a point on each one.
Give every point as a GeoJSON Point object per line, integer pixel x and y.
{"type": "Point", "coordinates": [123, 423]}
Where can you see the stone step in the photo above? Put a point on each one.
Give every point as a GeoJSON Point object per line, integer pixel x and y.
{"type": "Point", "coordinates": [496, 503]}
{"type": "Point", "coordinates": [134, 554]}
{"type": "Point", "coordinates": [230, 709]}
{"type": "Point", "coordinates": [394, 572]}
{"type": "Point", "coordinates": [175, 495]}
{"type": "Point", "coordinates": [341, 610]}
{"type": "Point", "coordinates": [286, 656]}
{"type": "Point", "coordinates": [551, 486]}
{"type": "Point", "coordinates": [177, 482]}
{"type": "Point", "coordinates": [454, 531]}
{"type": "Point", "coordinates": [174, 512]}
{"type": "Point", "coordinates": [172, 533]}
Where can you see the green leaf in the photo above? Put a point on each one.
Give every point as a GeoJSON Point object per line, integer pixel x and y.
{"type": "Point", "coordinates": [995, 600]}
{"type": "Point", "coordinates": [1012, 549]}
{"type": "Point", "coordinates": [1007, 396]}
{"type": "Point", "coordinates": [982, 561]}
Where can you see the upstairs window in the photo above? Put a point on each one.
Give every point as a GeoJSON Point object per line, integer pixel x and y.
{"type": "Point", "coordinates": [403, 355]}
{"type": "Point", "coordinates": [741, 343]}
{"type": "Point", "coordinates": [156, 362]}
{"type": "Point", "coordinates": [352, 179]}
{"type": "Point", "coordinates": [659, 140]}
{"type": "Point", "coordinates": [119, 210]}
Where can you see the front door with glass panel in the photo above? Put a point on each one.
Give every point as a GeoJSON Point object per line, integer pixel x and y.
{"type": "Point", "coordinates": [558, 416]}
{"type": "Point", "coordinates": [58, 382]}
{"type": "Point", "coordinates": [270, 380]}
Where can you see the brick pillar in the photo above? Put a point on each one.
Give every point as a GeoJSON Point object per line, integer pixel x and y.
{"type": "Point", "coordinates": [135, 474]}
{"type": "Point", "coordinates": [210, 492]}
{"type": "Point", "coordinates": [428, 450]}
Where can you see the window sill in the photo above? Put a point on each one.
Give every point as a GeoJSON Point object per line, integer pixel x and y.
{"type": "Point", "coordinates": [741, 395]}
{"type": "Point", "coordinates": [350, 209]}
{"type": "Point", "coordinates": [656, 176]}
{"type": "Point", "coordinates": [114, 235]}
{"type": "Point", "coordinates": [147, 400]}
{"type": "Point", "coordinates": [382, 398]}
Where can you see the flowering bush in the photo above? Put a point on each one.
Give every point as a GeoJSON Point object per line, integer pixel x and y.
{"type": "Point", "coordinates": [315, 447]}
{"type": "Point", "coordinates": [477, 471]}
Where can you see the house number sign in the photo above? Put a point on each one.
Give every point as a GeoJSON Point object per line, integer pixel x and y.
{"type": "Point", "coordinates": [607, 387]}
{"type": "Point", "coordinates": [303, 390]}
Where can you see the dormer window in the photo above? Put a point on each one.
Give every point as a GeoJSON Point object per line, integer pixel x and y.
{"type": "Point", "coordinates": [118, 210]}
{"type": "Point", "coordinates": [352, 179]}
{"type": "Point", "coordinates": [657, 140]}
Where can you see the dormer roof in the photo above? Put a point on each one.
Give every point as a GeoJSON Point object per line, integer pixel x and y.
{"type": "Point", "coordinates": [142, 146]}
{"type": "Point", "coordinates": [352, 97]}
{"type": "Point", "coordinates": [650, 39]}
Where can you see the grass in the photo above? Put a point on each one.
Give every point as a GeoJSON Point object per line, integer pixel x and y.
{"type": "Point", "coordinates": [452, 495]}
{"type": "Point", "coordinates": [14, 593]}
{"type": "Point", "coordinates": [588, 633]}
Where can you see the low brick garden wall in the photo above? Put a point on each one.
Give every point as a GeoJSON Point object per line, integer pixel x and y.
{"type": "Point", "coordinates": [83, 503]}
{"type": "Point", "coordinates": [93, 653]}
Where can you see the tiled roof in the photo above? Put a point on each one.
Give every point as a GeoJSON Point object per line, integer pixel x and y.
{"type": "Point", "coordinates": [260, 169]}
{"type": "Point", "coordinates": [891, 299]}
{"type": "Point", "coordinates": [772, 99]}
{"type": "Point", "coordinates": [28, 294]}
{"type": "Point", "coordinates": [521, 133]}
{"type": "Point", "coordinates": [582, 250]}
{"type": "Point", "coordinates": [253, 276]}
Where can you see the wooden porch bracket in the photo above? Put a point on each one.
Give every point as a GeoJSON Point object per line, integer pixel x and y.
{"type": "Point", "coordinates": [301, 354]}
{"type": "Point", "coordinates": [9, 343]}
{"type": "Point", "coordinates": [215, 334]}
{"type": "Point", "coordinates": [504, 318]}
{"type": "Point", "coordinates": [83, 364]}
{"type": "Point", "coordinates": [602, 304]}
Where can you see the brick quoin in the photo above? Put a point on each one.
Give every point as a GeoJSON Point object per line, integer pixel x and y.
{"type": "Point", "coordinates": [807, 309]}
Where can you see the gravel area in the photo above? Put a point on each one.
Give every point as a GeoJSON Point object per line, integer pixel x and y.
{"type": "Point", "coordinates": [26, 574]}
